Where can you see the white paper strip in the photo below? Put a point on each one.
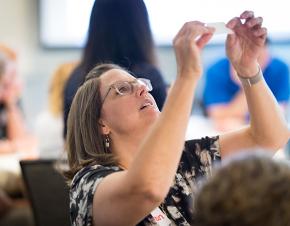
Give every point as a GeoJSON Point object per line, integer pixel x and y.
{"type": "Point", "coordinates": [220, 28]}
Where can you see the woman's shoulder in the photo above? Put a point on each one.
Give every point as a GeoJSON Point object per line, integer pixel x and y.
{"type": "Point", "coordinates": [82, 191]}
{"type": "Point", "coordinates": [92, 173]}
{"type": "Point", "coordinates": [198, 149]}
{"type": "Point", "coordinates": [203, 143]}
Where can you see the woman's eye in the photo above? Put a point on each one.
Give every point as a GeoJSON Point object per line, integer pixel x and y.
{"type": "Point", "coordinates": [124, 89]}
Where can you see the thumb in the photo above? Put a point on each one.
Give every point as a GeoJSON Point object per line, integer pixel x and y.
{"type": "Point", "coordinates": [231, 39]}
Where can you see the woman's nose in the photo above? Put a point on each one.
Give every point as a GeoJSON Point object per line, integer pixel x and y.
{"type": "Point", "coordinates": [141, 89]}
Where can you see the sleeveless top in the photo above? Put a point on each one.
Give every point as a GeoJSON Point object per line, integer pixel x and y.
{"type": "Point", "coordinates": [196, 161]}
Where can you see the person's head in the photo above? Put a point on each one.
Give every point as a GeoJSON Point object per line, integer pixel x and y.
{"type": "Point", "coordinates": [119, 32]}
{"type": "Point", "coordinates": [8, 61]}
{"type": "Point", "coordinates": [8, 71]}
{"type": "Point", "coordinates": [111, 105]}
{"type": "Point", "coordinates": [249, 191]}
{"type": "Point", "coordinates": [57, 85]}
{"type": "Point", "coordinates": [2, 65]}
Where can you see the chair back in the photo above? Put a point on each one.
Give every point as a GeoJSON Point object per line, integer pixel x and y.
{"type": "Point", "coordinates": [47, 192]}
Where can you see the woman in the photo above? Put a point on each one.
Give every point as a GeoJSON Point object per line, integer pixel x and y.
{"type": "Point", "coordinates": [128, 162]}
{"type": "Point", "coordinates": [14, 136]}
{"type": "Point", "coordinates": [119, 32]}
{"type": "Point", "coordinates": [16, 142]}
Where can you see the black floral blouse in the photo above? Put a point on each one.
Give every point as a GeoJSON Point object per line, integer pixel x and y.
{"type": "Point", "coordinates": [196, 161]}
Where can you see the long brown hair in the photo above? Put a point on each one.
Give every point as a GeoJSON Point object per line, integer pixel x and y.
{"type": "Point", "coordinates": [57, 85]}
{"type": "Point", "coordinates": [85, 142]}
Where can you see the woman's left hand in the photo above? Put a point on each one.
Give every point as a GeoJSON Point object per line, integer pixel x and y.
{"type": "Point", "coordinates": [245, 45]}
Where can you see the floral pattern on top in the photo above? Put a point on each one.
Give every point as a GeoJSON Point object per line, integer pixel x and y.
{"type": "Point", "coordinates": [196, 162]}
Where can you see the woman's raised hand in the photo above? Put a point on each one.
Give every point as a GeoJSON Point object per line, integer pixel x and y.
{"type": "Point", "coordinates": [189, 41]}
{"type": "Point", "coordinates": [246, 43]}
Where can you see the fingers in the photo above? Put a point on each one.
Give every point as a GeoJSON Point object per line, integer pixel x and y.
{"type": "Point", "coordinates": [186, 27]}
{"type": "Point", "coordinates": [260, 32]}
{"type": "Point", "coordinates": [233, 23]}
{"type": "Point", "coordinates": [192, 30]}
{"type": "Point", "coordinates": [251, 22]}
{"type": "Point", "coordinates": [203, 40]}
{"type": "Point", "coordinates": [247, 15]}
{"type": "Point", "coordinates": [187, 45]}
{"type": "Point", "coordinates": [254, 22]}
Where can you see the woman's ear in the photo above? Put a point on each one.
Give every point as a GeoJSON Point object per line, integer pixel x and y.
{"type": "Point", "coordinates": [105, 129]}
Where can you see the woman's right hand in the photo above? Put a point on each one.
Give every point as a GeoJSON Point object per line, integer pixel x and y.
{"type": "Point", "coordinates": [189, 41]}
{"type": "Point", "coordinates": [246, 44]}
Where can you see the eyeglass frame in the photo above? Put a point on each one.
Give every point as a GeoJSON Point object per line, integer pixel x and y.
{"type": "Point", "coordinates": [137, 81]}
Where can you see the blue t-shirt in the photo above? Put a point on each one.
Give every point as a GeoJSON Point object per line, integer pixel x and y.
{"type": "Point", "coordinates": [221, 89]}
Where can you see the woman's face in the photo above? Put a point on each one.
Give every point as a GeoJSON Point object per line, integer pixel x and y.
{"type": "Point", "coordinates": [10, 85]}
{"type": "Point", "coordinates": [132, 113]}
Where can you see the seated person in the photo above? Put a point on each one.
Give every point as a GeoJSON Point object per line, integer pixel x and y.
{"type": "Point", "coordinates": [49, 123]}
{"type": "Point", "coordinates": [224, 100]}
{"type": "Point", "coordinates": [249, 190]}
{"type": "Point", "coordinates": [128, 162]}
{"type": "Point", "coordinates": [14, 136]}
{"type": "Point", "coordinates": [15, 143]}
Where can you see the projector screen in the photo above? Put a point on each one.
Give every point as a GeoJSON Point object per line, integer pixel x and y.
{"type": "Point", "coordinates": [64, 23]}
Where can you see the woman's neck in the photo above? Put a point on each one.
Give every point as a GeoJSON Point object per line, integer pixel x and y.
{"type": "Point", "coordinates": [126, 148]}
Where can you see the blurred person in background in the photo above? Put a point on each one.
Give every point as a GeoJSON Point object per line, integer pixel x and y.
{"type": "Point", "coordinates": [224, 100]}
{"type": "Point", "coordinates": [14, 135]}
{"type": "Point", "coordinates": [49, 123]}
{"type": "Point", "coordinates": [119, 32]}
{"type": "Point", "coordinates": [16, 142]}
{"type": "Point", "coordinates": [247, 190]}
{"type": "Point", "coordinates": [57, 85]}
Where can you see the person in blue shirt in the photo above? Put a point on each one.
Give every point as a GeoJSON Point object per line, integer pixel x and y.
{"type": "Point", "coordinates": [223, 98]}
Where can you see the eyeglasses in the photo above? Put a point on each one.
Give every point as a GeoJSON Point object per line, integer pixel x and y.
{"type": "Point", "coordinates": [126, 88]}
